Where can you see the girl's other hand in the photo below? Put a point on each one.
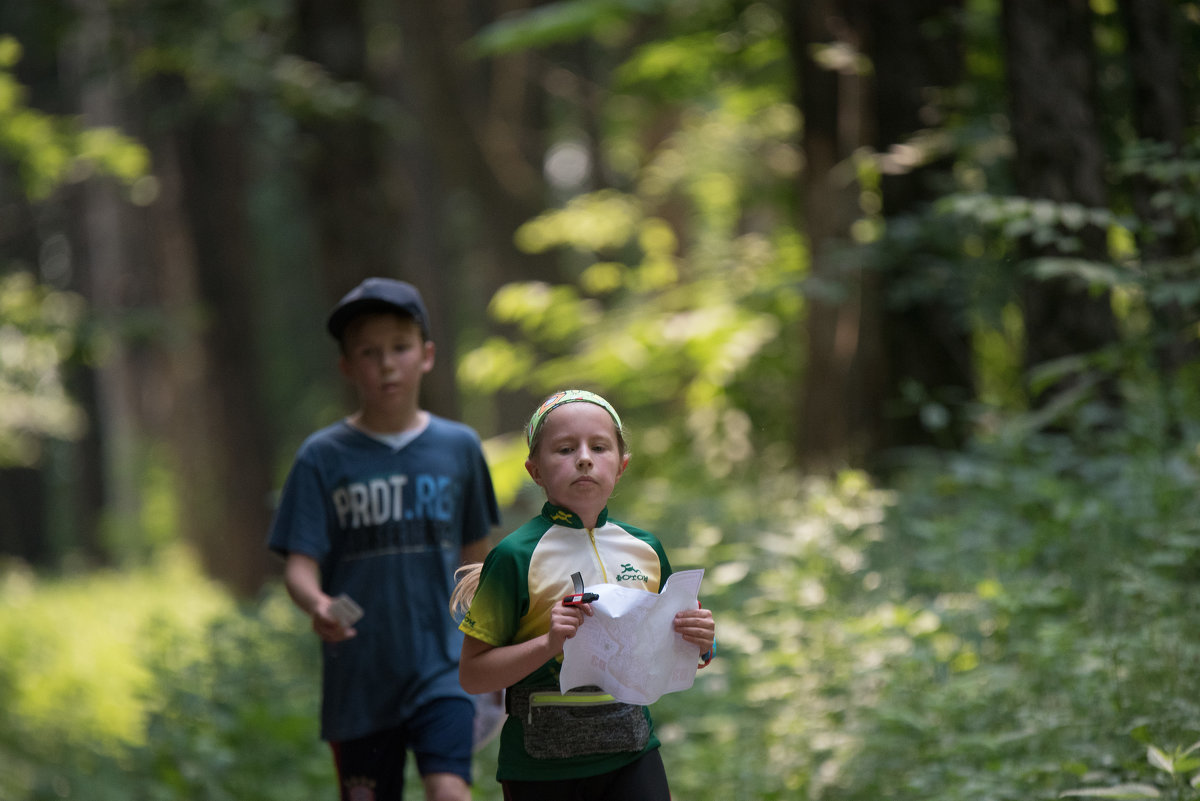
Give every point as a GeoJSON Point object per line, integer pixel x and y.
{"type": "Point", "coordinates": [697, 627]}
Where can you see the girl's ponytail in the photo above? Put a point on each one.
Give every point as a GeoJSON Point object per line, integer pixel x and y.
{"type": "Point", "coordinates": [466, 583]}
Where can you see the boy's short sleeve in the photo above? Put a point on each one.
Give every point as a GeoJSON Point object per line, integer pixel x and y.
{"type": "Point", "coordinates": [300, 524]}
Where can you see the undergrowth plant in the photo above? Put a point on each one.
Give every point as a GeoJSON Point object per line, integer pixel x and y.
{"type": "Point", "coordinates": [1169, 769]}
{"type": "Point", "coordinates": [998, 624]}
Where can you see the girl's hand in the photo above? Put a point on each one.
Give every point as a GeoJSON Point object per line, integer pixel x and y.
{"type": "Point", "coordinates": [565, 622]}
{"type": "Point", "coordinates": [328, 628]}
{"type": "Point", "coordinates": [697, 627]}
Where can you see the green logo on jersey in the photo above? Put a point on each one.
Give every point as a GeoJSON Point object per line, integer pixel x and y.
{"type": "Point", "coordinates": [631, 573]}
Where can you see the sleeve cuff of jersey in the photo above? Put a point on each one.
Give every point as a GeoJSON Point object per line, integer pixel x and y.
{"type": "Point", "coordinates": [479, 634]}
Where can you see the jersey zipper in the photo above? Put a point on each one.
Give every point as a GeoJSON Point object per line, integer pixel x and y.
{"type": "Point", "coordinates": [596, 550]}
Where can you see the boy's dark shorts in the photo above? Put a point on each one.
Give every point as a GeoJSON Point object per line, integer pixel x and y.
{"type": "Point", "coordinates": [439, 735]}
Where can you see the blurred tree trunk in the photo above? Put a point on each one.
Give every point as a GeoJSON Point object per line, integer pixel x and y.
{"type": "Point", "coordinates": [482, 120]}
{"type": "Point", "coordinates": [357, 201]}
{"type": "Point", "coordinates": [839, 382]}
{"type": "Point", "coordinates": [436, 198]}
{"type": "Point", "coordinates": [113, 272]}
{"type": "Point", "coordinates": [1160, 117]}
{"type": "Point", "coordinates": [219, 428]}
{"type": "Point", "coordinates": [22, 516]}
{"type": "Point", "coordinates": [1059, 157]}
{"type": "Point", "coordinates": [185, 377]}
{"type": "Point", "coordinates": [353, 212]}
{"type": "Point", "coordinates": [1156, 69]}
{"type": "Point", "coordinates": [916, 51]}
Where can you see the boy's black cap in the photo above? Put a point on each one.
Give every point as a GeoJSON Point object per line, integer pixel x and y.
{"type": "Point", "coordinates": [378, 295]}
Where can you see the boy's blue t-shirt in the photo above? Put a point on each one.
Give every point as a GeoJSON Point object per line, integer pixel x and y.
{"type": "Point", "coordinates": [387, 527]}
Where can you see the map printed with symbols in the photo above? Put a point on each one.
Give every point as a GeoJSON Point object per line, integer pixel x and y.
{"type": "Point", "coordinates": [629, 647]}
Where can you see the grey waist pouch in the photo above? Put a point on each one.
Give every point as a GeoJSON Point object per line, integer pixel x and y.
{"type": "Point", "coordinates": [586, 720]}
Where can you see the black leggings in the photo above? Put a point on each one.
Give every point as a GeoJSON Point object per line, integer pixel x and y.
{"type": "Point", "coordinates": [644, 779]}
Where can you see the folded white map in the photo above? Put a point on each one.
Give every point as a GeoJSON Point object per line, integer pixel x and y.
{"type": "Point", "coordinates": [629, 647]}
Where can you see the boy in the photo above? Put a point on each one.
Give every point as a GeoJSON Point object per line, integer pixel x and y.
{"type": "Point", "coordinates": [382, 507]}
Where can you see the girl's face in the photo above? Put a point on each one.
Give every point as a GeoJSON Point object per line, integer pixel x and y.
{"type": "Point", "coordinates": [578, 460]}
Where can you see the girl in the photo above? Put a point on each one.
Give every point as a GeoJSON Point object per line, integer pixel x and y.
{"type": "Point", "coordinates": [583, 745]}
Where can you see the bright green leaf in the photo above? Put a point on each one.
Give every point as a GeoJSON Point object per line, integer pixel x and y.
{"type": "Point", "coordinates": [1158, 758]}
{"type": "Point", "coordinates": [1120, 791]}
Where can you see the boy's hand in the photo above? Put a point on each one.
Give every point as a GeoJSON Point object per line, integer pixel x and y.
{"type": "Point", "coordinates": [696, 626]}
{"type": "Point", "coordinates": [327, 626]}
{"type": "Point", "coordinates": [302, 576]}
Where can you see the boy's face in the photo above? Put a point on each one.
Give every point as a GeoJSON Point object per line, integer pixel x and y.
{"type": "Point", "coordinates": [578, 460]}
{"type": "Point", "coordinates": [384, 357]}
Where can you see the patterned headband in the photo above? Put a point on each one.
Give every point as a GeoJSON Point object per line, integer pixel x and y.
{"type": "Point", "coordinates": [560, 398]}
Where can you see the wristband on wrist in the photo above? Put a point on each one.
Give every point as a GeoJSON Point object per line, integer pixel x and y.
{"type": "Point", "coordinates": [707, 657]}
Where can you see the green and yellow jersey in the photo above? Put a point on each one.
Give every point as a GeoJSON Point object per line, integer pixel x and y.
{"type": "Point", "coordinates": [523, 578]}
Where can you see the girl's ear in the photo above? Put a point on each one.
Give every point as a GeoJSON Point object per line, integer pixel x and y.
{"type": "Point", "coordinates": [624, 464]}
{"type": "Point", "coordinates": [534, 473]}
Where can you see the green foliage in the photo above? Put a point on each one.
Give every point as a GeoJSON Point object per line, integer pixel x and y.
{"type": "Point", "coordinates": [75, 673]}
{"type": "Point", "coordinates": [49, 151]}
{"type": "Point", "coordinates": [153, 686]}
{"type": "Point", "coordinates": [1173, 765]}
{"type": "Point", "coordinates": [72, 641]}
{"type": "Point", "coordinates": [230, 52]}
{"type": "Point", "coordinates": [157, 689]}
{"type": "Point", "coordinates": [1149, 272]}
{"type": "Point", "coordinates": [780, 552]}
{"type": "Point", "coordinates": [40, 328]}
{"type": "Point", "coordinates": [1132, 267]}
{"type": "Point", "coordinates": [39, 332]}
{"type": "Point", "coordinates": [558, 22]}
{"type": "Point", "coordinates": [696, 339]}
{"type": "Point", "coordinates": [689, 275]}
{"type": "Point", "coordinates": [1061, 575]}
{"type": "Point", "coordinates": [1013, 621]}
{"type": "Point", "coordinates": [207, 714]}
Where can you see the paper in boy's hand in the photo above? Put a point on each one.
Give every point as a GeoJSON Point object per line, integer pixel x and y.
{"type": "Point", "coordinates": [345, 611]}
{"type": "Point", "coordinates": [629, 646]}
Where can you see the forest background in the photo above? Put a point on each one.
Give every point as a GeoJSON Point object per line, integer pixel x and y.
{"type": "Point", "coordinates": [899, 300]}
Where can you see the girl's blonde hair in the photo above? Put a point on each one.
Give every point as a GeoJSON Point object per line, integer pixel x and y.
{"type": "Point", "coordinates": [466, 582]}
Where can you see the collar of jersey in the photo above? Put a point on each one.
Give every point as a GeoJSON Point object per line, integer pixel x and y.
{"type": "Point", "coordinates": [565, 517]}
